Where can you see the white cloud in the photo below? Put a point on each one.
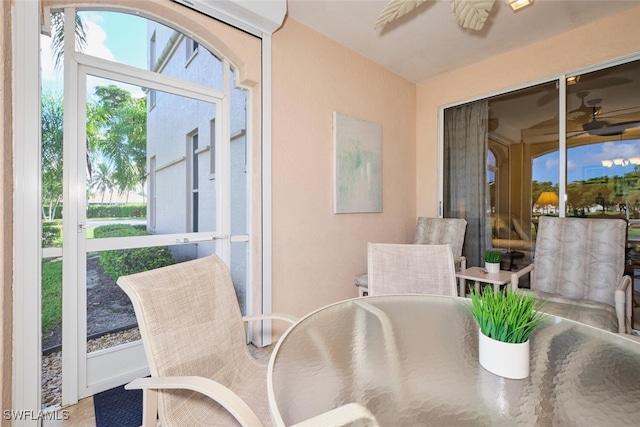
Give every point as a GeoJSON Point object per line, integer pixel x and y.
{"type": "Point", "coordinates": [51, 80]}
{"type": "Point", "coordinates": [552, 163]}
{"type": "Point", "coordinates": [620, 149]}
{"type": "Point", "coordinates": [95, 46]}
{"type": "Point", "coordinates": [96, 38]}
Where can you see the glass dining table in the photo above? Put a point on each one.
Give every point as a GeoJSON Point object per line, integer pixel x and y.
{"type": "Point", "coordinates": [412, 360]}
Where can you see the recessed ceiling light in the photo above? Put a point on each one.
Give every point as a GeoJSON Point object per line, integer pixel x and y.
{"type": "Point", "coordinates": [518, 4]}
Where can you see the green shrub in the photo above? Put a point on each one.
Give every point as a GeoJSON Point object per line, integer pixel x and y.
{"type": "Point", "coordinates": [132, 210]}
{"type": "Point", "coordinates": [123, 262]}
{"type": "Point", "coordinates": [51, 234]}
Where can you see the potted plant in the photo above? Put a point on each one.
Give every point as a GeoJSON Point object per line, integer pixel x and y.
{"type": "Point", "coordinates": [492, 259]}
{"type": "Point", "coordinates": [506, 319]}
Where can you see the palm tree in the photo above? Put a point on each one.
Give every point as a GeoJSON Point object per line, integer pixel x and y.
{"type": "Point", "coordinates": [102, 180]}
{"type": "Point", "coordinates": [57, 36]}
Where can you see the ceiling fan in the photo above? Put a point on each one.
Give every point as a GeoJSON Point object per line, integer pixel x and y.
{"type": "Point", "coordinates": [588, 119]}
{"type": "Point", "coordinates": [470, 14]}
{"type": "Point", "coordinates": [602, 127]}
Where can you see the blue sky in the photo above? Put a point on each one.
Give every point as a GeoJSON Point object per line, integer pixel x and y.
{"type": "Point", "coordinates": [114, 36]}
{"type": "Point", "coordinates": [585, 162]}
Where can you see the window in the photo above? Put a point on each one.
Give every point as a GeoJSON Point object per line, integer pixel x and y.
{"type": "Point", "coordinates": [191, 50]}
{"type": "Point", "coordinates": [594, 170]}
{"type": "Point", "coordinates": [152, 65]}
{"type": "Point", "coordinates": [492, 172]}
{"type": "Point", "coordinates": [193, 171]}
{"type": "Point", "coordinates": [212, 150]}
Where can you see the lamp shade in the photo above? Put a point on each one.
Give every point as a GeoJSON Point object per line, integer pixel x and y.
{"type": "Point", "coordinates": [547, 198]}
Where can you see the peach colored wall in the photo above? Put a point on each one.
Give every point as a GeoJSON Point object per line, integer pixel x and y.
{"type": "Point", "coordinates": [602, 41]}
{"type": "Point", "coordinates": [316, 253]}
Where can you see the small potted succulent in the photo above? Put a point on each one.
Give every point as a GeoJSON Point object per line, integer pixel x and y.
{"type": "Point", "coordinates": [492, 259]}
{"type": "Point", "coordinates": [505, 319]}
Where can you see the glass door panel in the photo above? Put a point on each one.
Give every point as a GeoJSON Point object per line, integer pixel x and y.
{"type": "Point", "coordinates": [603, 145]}
{"type": "Point", "coordinates": [151, 201]}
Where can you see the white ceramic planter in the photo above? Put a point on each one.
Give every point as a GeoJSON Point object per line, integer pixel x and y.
{"type": "Point", "coordinates": [504, 359]}
{"type": "Point", "coordinates": [492, 267]}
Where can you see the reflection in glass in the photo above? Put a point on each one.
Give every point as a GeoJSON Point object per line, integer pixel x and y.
{"type": "Point", "coordinates": [603, 145]}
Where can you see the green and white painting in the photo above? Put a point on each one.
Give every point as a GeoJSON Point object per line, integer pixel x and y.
{"type": "Point", "coordinates": [357, 147]}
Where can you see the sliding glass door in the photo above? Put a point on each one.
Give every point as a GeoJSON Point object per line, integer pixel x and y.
{"type": "Point", "coordinates": [536, 161]}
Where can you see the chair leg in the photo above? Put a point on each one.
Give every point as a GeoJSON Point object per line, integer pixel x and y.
{"type": "Point", "coordinates": [149, 408]}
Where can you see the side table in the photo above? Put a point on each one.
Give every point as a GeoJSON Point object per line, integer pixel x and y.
{"type": "Point", "coordinates": [480, 275]}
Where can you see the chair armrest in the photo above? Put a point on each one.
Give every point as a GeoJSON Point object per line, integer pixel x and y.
{"type": "Point", "coordinates": [277, 316]}
{"type": "Point", "coordinates": [462, 260]}
{"type": "Point", "coordinates": [515, 277]}
{"type": "Point", "coordinates": [341, 416]}
{"type": "Point", "coordinates": [623, 299]}
{"type": "Point", "coordinates": [212, 389]}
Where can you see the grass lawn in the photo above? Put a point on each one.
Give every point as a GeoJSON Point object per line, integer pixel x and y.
{"type": "Point", "coordinates": [51, 295]}
{"type": "Point", "coordinates": [52, 281]}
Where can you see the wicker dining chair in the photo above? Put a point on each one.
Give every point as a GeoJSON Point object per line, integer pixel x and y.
{"type": "Point", "coordinates": [398, 268]}
{"type": "Point", "coordinates": [578, 271]}
{"type": "Point", "coordinates": [202, 373]}
{"type": "Point", "coordinates": [432, 231]}
{"type": "Point", "coordinates": [195, 341]}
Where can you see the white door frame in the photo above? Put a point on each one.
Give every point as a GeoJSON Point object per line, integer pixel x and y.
{"type": "Point", "coordinates": [26, 350]}
{"type": "Point", "coordinates": [84, 375]}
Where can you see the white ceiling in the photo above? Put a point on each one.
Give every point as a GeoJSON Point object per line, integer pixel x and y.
{"type": "Point", "coordinates": [428, 41]}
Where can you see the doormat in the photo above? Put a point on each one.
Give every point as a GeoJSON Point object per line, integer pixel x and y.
{"type": "Point", "coordinates": [118, 407]}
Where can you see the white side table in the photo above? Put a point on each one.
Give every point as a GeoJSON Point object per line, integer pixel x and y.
{"type": "Point", "coordinates": [480, 275]}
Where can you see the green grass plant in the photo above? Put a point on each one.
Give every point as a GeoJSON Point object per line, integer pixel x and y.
{"type": "Point", "coordinates": [505, 315]}
{"type": "Point", "coordinates": [492, 256]}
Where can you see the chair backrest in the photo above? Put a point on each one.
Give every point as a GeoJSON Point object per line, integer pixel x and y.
{"type": "Point", "coordinates": [425, 269]}
{"type": "Point", "coordinates": [580, 258]}
{"type": "Point", "coordinates": [190, 324]}
{"type": "Point", "coordinates": [441, 231]}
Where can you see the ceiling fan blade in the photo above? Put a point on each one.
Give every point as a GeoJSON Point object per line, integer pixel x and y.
{"type": "Point", "coordinates": [612, 129]}
{"type": "Point", "coordinates": [395, 9]}
{"type": "Point", "coordinates": [471, 14]}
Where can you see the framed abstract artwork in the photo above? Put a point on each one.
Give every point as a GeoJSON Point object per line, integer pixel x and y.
{"type": "Point", "coordinates": [357, 167]}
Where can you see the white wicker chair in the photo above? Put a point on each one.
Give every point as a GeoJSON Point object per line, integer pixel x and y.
{"type": "Point", "coordinates": [194, 337]}
{"type": "Point", "coordinates": [432, 231]}
{"type": "Point", "coordinates": [579, 271]}
{"type": "Point", "coordinates": [195, 341]}
{"type": "Point", "coordinates": [424, 269]}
